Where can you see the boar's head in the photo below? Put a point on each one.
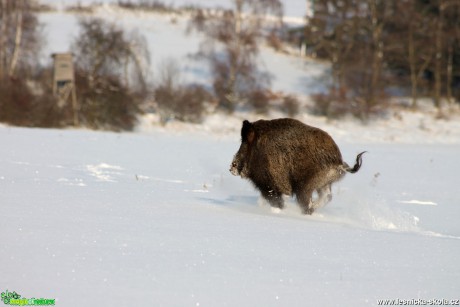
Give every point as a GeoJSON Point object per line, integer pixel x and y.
{"type": "Point", "coordinates": [240, 163]}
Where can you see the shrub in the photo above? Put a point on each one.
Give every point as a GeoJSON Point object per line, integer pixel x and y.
{"type": "Point", "coordinates": [332, 104]}
{"type": "Point", "coordinates": [274, 40]}
{"type": "Point", "coordinates": [146, 5]}
{"type": "Point", "coordinates": [16, 102]}
{"type": "Point", "coordinates": [339, 102]}
{"type": "Point", "coordinates": [48, 114]}
{"type": "Point", "coordinates": [108, 105]}
{"type": "Point", "coordinates": [186, 104]}
{"type": "Point", "coordinates": [21, 106]}
{"type": "Point", "coordinates": [259, 100]}
{"type": "Point", "coordinates": [290, 105]}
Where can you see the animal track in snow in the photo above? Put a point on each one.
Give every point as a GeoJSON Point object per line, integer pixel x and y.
{"type": "Point", "coordinates": [418, 202]}
{"type": "Point", "coordinates": [104, 172]}
{"type": "Point", "coordinates": [72, 182]}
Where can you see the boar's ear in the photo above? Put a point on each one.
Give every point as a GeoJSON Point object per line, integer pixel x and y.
{"type": "Point", "coordinates": [248, 133]}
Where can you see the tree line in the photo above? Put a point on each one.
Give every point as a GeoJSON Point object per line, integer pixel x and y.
{"type": "Point", "coordinates": [379, 47]}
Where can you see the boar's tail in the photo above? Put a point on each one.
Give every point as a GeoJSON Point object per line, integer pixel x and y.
{"type": "Point", "coordinates": [357, 165]}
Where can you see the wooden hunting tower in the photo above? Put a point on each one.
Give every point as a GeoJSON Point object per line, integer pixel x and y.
{"type": "Point", "coordinates": [64, 82]}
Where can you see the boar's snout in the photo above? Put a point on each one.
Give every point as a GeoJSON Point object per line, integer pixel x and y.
{"type": "Point", "coordinates": [240, 163]}
{"type": "Point", "coordinates": [234, 168]}
{"type": "Point", "coordinates": [238, 167]}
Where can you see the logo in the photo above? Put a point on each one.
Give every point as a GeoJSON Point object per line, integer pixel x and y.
{"type": "Point", "coordinates": [15, 299]}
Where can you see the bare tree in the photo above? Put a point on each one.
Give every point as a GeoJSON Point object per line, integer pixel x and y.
{"type": "Point", "coordinates": [350, 33]}
{"type": "Point", "coordinates": [105, 57]}
{"type": "Point", "coordinates": [378, 11]}
{"type": "Point", "coordinates": [452, 41]}
{"type": "Point", "coordinates": [232, 47]}
{"type": "Point", "coordinates": [445, 14]}
{"type": "Point", "coordinates": [332, 34]}
{"type": "Point", "coordinates": [423, 39]}
{"type": "Point", "coordinates": [17, 37]}
{"type": "Point", "coordinates": [20, 42]}
{"type": "Point", "coordinates": [103, 49]}
{"type": "Point", "coordinates": [438, 55]}
{"type": "Point", "coordinates": [370, 42]}
{"type": "Point", "coordinates": [20, 37]}
{"type": "Point", "coordinates": [419, 54]}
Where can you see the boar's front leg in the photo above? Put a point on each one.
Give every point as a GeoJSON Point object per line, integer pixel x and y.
{"type": "Point", "coordinates": [274, 197]}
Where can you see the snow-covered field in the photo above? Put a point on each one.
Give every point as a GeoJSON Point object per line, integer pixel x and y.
{"type": "Point", "coordinates": [154, 217]}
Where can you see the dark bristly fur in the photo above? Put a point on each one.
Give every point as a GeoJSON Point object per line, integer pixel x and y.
{"type": "Point", "coordinates": [285, 156]}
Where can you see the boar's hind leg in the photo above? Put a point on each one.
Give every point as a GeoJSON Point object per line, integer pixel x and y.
{"type": "Point", "coordinates": [324, 196]}
{"type": "Point", "coordinates": [274, 198]}
{"type": "Point", "coordinates": [305, 201]}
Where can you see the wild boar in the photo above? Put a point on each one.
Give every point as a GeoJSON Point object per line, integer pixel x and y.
{"type": "Point", "coordinates": [286, 157]}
